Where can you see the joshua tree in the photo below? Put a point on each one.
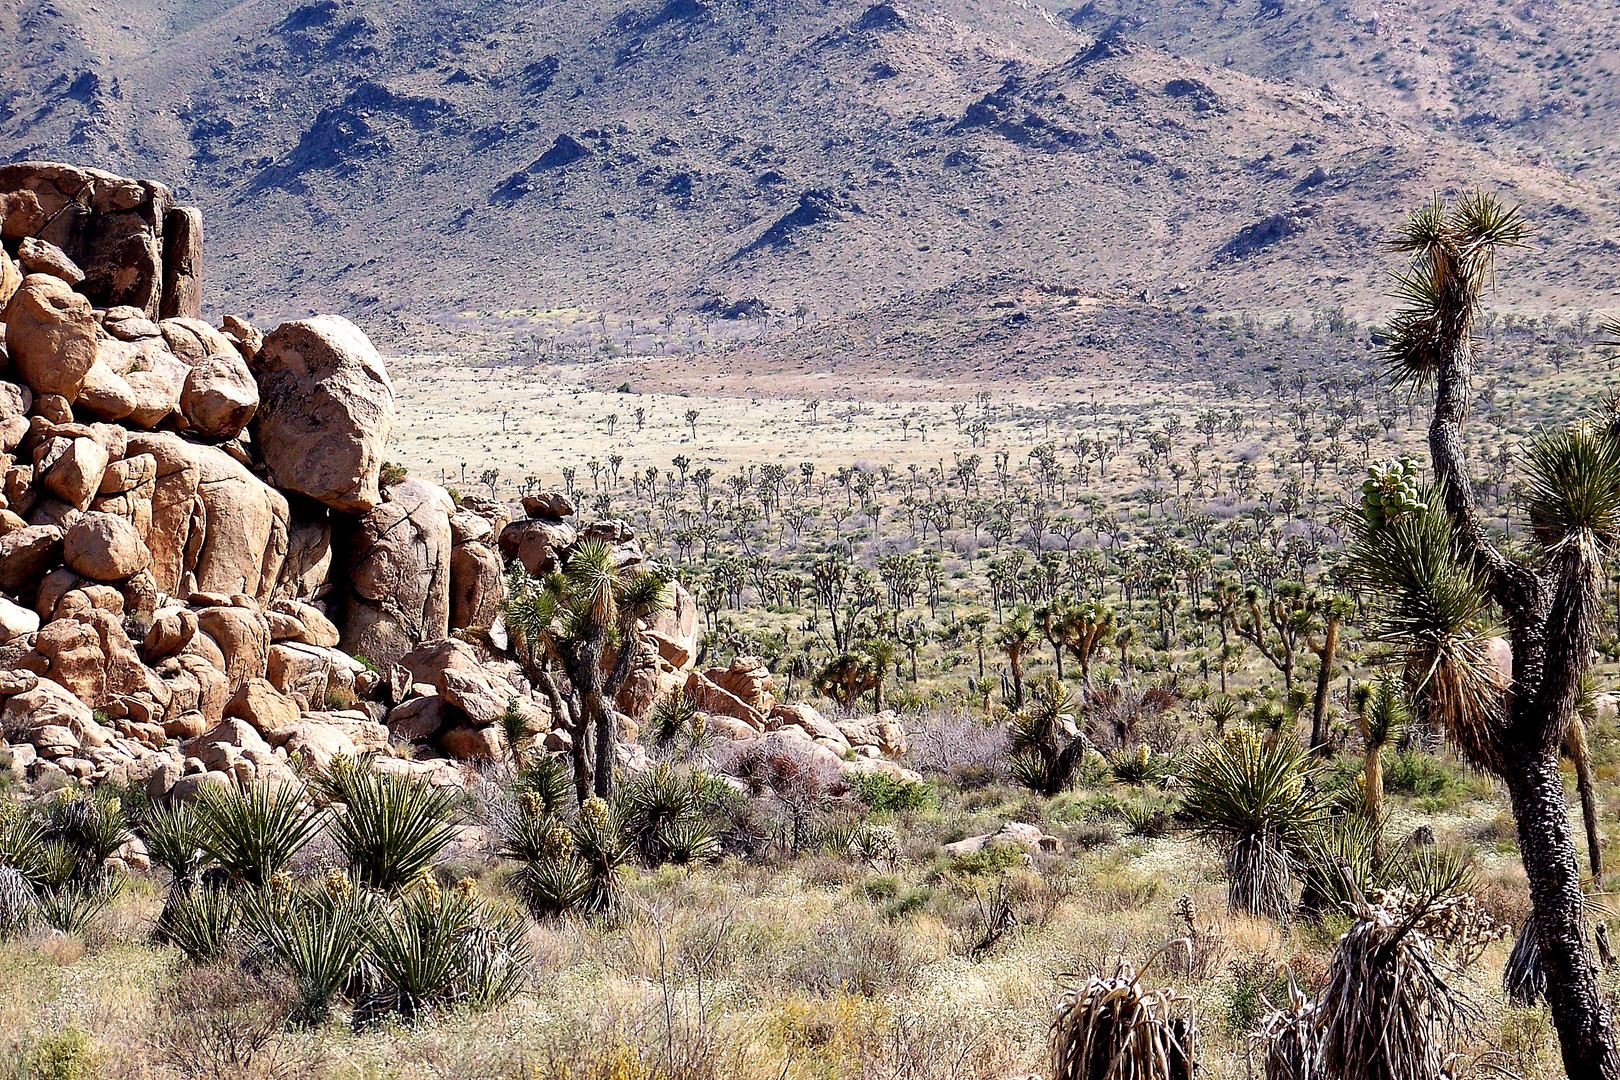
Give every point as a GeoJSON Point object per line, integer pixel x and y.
{"type": "Point", "coordinates": [1015, 637]}
{"type": "Point", "coordinates": [585, 615]}
{"type": "Point", "coordinates": [1438, 576]}
{"type": "Point", "coordinates": [1382, 714]}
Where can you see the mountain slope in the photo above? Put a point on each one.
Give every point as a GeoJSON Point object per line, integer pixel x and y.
{"type": "Point", "coordinates": [742, 156]}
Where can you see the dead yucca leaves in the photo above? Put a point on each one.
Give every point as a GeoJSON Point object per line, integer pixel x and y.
{"type": "Point", "coordinates": [1111, 1029]}
{"type": "Point", "coordinates": [1290, 1038]}
{"type": "Point", "coordinates": [1388, 1012]}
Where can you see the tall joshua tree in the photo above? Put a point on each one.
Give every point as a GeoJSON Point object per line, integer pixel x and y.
{"type": "Point", "coordinates": [1442, 582]}
{"type": "Point", "coordinates": [585, 617]}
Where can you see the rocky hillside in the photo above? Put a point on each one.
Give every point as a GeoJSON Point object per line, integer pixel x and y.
{"type": "Point", "coordinates": [740, 156]}
{"type": "Point", "coordinates": [209, 575]}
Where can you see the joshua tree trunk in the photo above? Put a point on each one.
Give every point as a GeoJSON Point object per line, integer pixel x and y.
{"type": "Point", "coordinates": [1577, 748]}
{"type": "Point", "coordinates": [1324, 682]}
{"type": "Point", "coordinates": [1551, 616]}
{"type": "Point", "coordinates": [1373, 781]}
{"type": "Point", "coordinates": [1585, 1031]}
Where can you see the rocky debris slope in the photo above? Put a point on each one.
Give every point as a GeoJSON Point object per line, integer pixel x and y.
{"type": "Point", "coordinates": [206, 574]}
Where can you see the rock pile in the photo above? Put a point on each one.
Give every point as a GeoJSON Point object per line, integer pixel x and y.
{"type": "Point", "coordinates": [206, 572]}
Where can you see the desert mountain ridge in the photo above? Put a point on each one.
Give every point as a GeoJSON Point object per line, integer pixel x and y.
{"type": "Point", "coordinates": [481, 161]}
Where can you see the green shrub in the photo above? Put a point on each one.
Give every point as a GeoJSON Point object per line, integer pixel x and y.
{"type": "Point", "coordinates": [992, 860]}
{"type": "Point", "coordinates": [890, 794]}
{"type": "Point", "coordinates": [1413, 772]}
{"type": "Point", "coordinates": [60, 1055]}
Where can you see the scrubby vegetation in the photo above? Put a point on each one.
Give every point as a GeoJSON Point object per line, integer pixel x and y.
{"type": "Point", "coordinates": [1218, 774]}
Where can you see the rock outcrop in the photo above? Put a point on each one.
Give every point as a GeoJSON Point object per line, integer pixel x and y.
{"type": "Point", "coordinates": [204, 578]}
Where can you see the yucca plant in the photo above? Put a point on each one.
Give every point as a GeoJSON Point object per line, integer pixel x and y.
{"type": "Point", "coordinates": [1382, 715]}
{"type": "Point", "coordinates": [599, 845]}
{"type": "Point", "coordinates": [92, 826]}
{"type": "Point", "coordinates": [25, 847]}
{"type": "Point", "coordinates": [17, 903]}
{"type": "Point", "coordinates": [438, 949]}
{"type": "Point", "coordinates": [1435, 577]}
{"type": "Point", "coordinates": [1388, 1011]}
{"type": "Point", "coordinates": [71, 908]}
{"type": "Point", "coordinates": [1257, 797]}
{"type": "Point", "coordinates": [1289, 1039]}
{"type": "Point", "coordinates": [390, 827]}
{"type": "Point", "coordinates": [254, 831]}
{"type": "Point", "coordinates": [200, 922]}
{"type": "Point", "coordinates": [1140, 766]}
{"type": "Point", "coordinates": [171, 836]}
{"type": "Point", "coordinates": [1045, 752]}
{"type": "Point", "coordinates": [545, 778]}
{"type": "Point", "coordinates": [320, 939]}
{"type": "Point", "coordinates": [1112, 1029]}
{"type": "Point", "coordinates": [662, 811]}
{"type": "Point", "coordinates": [672, 718]}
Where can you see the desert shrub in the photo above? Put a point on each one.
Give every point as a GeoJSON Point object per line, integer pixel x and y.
{"type": "Point", "coordinates": [70, 908]}
{"type": "Point", "coordinates": [992, 860]}
{"type": "Point", "coordinates": [171, 836]}
{"type": "Point", "coordinates": [224, 1021]}
{"type": "Point", "coordinates": [883, 793]}
{"type": "Point", "coordinates": [959, 747]}
{"type": "Point", "coordinates": [60, 1055]}
{"type": "Point", "coordinates": [1425, 776]}
{"type": "Point", "coordinates": [577, 867]}
{"type": "Point", "coordinates": [854, 951]}
{"type": "Point", "coordinates": [1257, 986]}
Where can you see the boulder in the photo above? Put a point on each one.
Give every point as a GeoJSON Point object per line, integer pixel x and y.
{"type": "Point", "coordinates": [116, 235]}
{"type": "Point", "coordinates": [537, 543]}
{"type": "Point", "coordinates": [105, 394]}
{"type": "Point", "coordinates": [43, 257]}
{"type": "Point", "coordinates": [16, 621]}
{"type": "Point", "coordinates": [243, 637]}
{"type": "Point", "coordinates": [477, 585]}
{"type": "Point", "coordinates": [552, 504]}
{"type": "Point", "coordinates": [418, 719]}
{"type": "Point", "coordinates": [315, 628]}
{"type": "Point", "coordinates": [467, 743]}
{"type": "Point", "coordinates": [182, 264]}
{"type": "Point", "coordinates": [157, 388]}
{"type": "Point", "coordinates": [705, 696]}
{"type": "Point", "coordinates": [748, 680]}
{"type": "Point", "coordinates": [262, 706]}
{"type": "Point", "coordinates": [103, 547]}
{"type": "Point", "coordinates": [51, 335]}
{"type": "Point", "coordinates": [24, 555]}
{"type": "Point", "coordinates": [326, 410]}
{"type": "Point", "coordinates": [1014, 834]}
{"type": "Point", "coordinates": [675, 629]}
{"type": "Point", "coordinates": [10, 280]}
{"type": "Point", "coordinates": [480, 694]}
{"type": "Point", "coordinates": [396, 588]}
{"type": "Point", "coordinates": [301, 671]}
{"type": "Point", "coordinates": [219, 396]}
{"type": "Point", "coordinates": [319, 737]}
{"type": "Point", "coordinates": [215, 526]}
{"type": "Point", "coordinates": [71, 469]}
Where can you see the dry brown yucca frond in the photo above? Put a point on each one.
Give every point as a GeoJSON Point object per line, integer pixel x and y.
{"type": "Point", "coordinates": [1290, 1039]}
{"type": "Point", "coordinates": [1108, 1028]}
{"type": "Point", "coordinates": [1388, 1012]}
